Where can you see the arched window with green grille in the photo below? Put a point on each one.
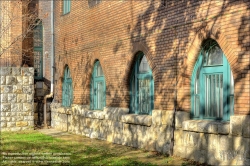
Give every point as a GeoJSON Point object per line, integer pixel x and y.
{"type": "Point", "coordinates": [67, 90]}
{"type": "Point", "coordinates": [141, 87]}
{"type": "Point", "coordinates": [212, 85]}
{"type": "Point", "coordinates": [98, 88]}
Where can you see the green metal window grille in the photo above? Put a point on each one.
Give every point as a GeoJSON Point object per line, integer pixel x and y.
{"type": "Point", "coordinates": [141, 87]}
{"type": "Point", "coordinates": [212, 85]}
{"type": "Point", "coordinates": [98, 88]}
{"type": "Point", "coordinates": [67, 89]}
{"type": "Point", "coordinates": [66, 6]}
{"type": "Point", "coordinates": [38, 51]}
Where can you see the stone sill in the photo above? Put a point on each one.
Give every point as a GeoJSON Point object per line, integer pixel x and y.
{"type": "Point", "coordinates": [206, 126]}
{"type": "Point", "coordinates": [145, 120]}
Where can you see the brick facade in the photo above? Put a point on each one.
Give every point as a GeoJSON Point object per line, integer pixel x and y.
{"type": "Point", "coordinates": [170, 36]}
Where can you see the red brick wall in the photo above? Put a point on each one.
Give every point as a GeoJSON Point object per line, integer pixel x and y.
{"type": "Point", "coordinates": [170, 36]}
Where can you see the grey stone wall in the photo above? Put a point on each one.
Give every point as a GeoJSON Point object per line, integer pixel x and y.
{"type": "Point", "coordinates": [211, 142]}
{"type": "Point", "coordinates": [17, 97]}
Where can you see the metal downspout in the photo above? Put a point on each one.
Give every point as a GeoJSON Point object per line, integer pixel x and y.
{"type": "Point", "coordinates": [52, 66]}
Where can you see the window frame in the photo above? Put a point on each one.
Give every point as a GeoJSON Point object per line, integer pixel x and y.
{"type": "Point", "coordinates": [66, 6]}
{"type": "Point", "coordinates": [94, 80]}
{"type": "Point", "coordinates": [136, 75]}
{"type": "Point", "coordinates": [200, 70]}
{"type": "Point", "coordinates": [67, 98]}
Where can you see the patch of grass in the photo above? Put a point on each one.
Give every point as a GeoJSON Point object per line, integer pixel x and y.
{"type": "Point", "coordinates": [80, 150]}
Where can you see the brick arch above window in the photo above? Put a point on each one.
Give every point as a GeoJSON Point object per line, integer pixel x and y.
{"type": "Point", "coordinates": [141, 47]}
{"type": "Point", "coordinates": [194, 50]}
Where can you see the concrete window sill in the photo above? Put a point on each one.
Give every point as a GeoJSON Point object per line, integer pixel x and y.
{"type": "Point", "coordinates": [206, 126]}
{"type": "Point", "coordinates": [144, 120]}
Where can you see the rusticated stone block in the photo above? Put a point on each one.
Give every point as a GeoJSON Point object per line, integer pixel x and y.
{"type": "Point", "coordinates": [2, 80]}
{"type": "Point", "coordinates": [145, 120]}
{"type": "Point", "coordinates": [21, 98]}
{"type": "Point", "coordinates": [167, 117]}
{"type": "Point", "coordinates": [181, 116]}
{"type": "Point", "coordinates": [114, 113]}
{"type": "Point", "coordinates": [21, 123]}
{"type": "Point", "coordinates": [17, 89]}
{"type": "Point", "coordinates": [12, 98]}
{"type": "Point", "coordinates": [5, 71]}
{"type": "Point", "coordinates": [157, 117]}
{"type": "Point", "coordinates": [16, 71]}
{"type": "Point", "coordinates": [27, 71]}
{"type": "Point", "coordinates": [11, 80]}
{"type": "Point", "coordinates": [236, 125]}
{"type": "Point", "coordinates": [4, 98]}
{"type": "Point", "coordinates": [30, 98]}
{"type": "Point", "coordinates": [28, 107]}
{"type": "Point", "coordinates": [25, 80]}
{"type": "Point", "coordinates": [246, 126]}
{"type": "Point", "coordinates": [5, 107]}
{"type": "Point", "coordinates": [16, 107]}
{"type": "Point", "coordinates": [28, 89]}
{"type": "Point", "coordinates": [6, 89]}
{"type": "Point", "coordinates": [19, 80]}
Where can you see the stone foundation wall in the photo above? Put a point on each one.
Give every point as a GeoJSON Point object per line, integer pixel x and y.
{"type": "Point", "coordinates": [17, 97]}
{"type": "Point", "coordinates": [215, 143]}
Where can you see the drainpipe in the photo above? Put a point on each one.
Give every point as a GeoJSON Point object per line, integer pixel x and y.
{"type": "Point", "coordinates": [52, 66]}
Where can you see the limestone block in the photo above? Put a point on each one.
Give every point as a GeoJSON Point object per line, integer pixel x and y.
{"type": "Point", "coordinates": [2, 80]}
{"type": "Point", "coordinates": [7, 114]}
{"type": "Point", "coordinates": [5, 71]}
{"type": "Point", "coordinates": [181, 116]}
{"type": "Point", "coordinates": [212, 141]}
{"type": "Point", "coordinates": [19, 80]}
{"type": "Point", "coordinates": [180, 151]}
{"type": "Point", "coordinates": [6, 89]}
{"type": "Point", "coordinates": [28, 89]}
{"type": "Point", "coordinates": [31, 123]}
{"type": "Point", "coordinates": [19, 118]}
{"type": "Point", "coordinates": [28, 107]}
{"type": "Point", "coordinates": [191, 139]}
{"type": "Point", "coordinates": [145, 120]}
{"type": "Point", "coordinates": [156, 117]}
{"type": "Point", "coordinates": [11, 124]}
{"type": "Point", "coordinates": [25, 80]}
{"type": "Point", "coordinates": [4, 113]}
{"type": "Point", "coordinates": [28, 118]}
{"type": "Point", "coordinates": [117, 127]}
{"type": "Point", "coordinates": [31, 80]}
{"type": "Point", "coordinates": [17, 89]}
{"type": "Point", "coordinates": [236, 125]}
{"type": "Point", "coordinates": [190, 125]}
{"type": "Point", "coordinates": [4, 98]}
{"type": "Point", "coordinates": [21, 123]}
{"type": "Point", "coordinates": [3, 124]}
{"type": "Point", "coordinates": [127, 135]}
{"type": "Point", "coordinates": [163, 138]}
{"type": "Point", "coordinates": [16, 71]}
{"type": "Point", "coordinates": [246, 126]}
{"type": "Point", "coordinates": [16, 129]}
{"type": "Point", "coordinates": [21, 98]}
{"type": "Point", "coordinates": [178, 135]}
{"type": "Point", "coordinates": [223, 128]}
{"type": "Point", "coordinates": [142, 136]}
{"type": "Point", "coordinates": [95, 114]}
{"type": "Point", "coordinates": [11, 80]}
{"type": "Point", "coordinates": [16, 107]}
{"type": "Point", "coordinates": [117, 138]}
{"type": "Point", "coordinates": [12, 98]}
{"type": "Point", "coordinates": [225, 143]}
{"type": "Point", "coordinates": [114, 113]}
{"type": "Point", "coordinates": [5, 107]}
{"type": "Point", "coordinates": [167, 117]}
{"type": "Point", "coordinates": [27, 71]}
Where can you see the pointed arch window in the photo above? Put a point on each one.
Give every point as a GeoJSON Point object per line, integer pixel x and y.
{"type": "Point", "coordinates": [141, 87]}
{"type": "Point", "coordinates": [212, 84]}
{"type": "Point", "coordinates": [67, 90]}
{"type": "Point", "coordinates": [98, 88]}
